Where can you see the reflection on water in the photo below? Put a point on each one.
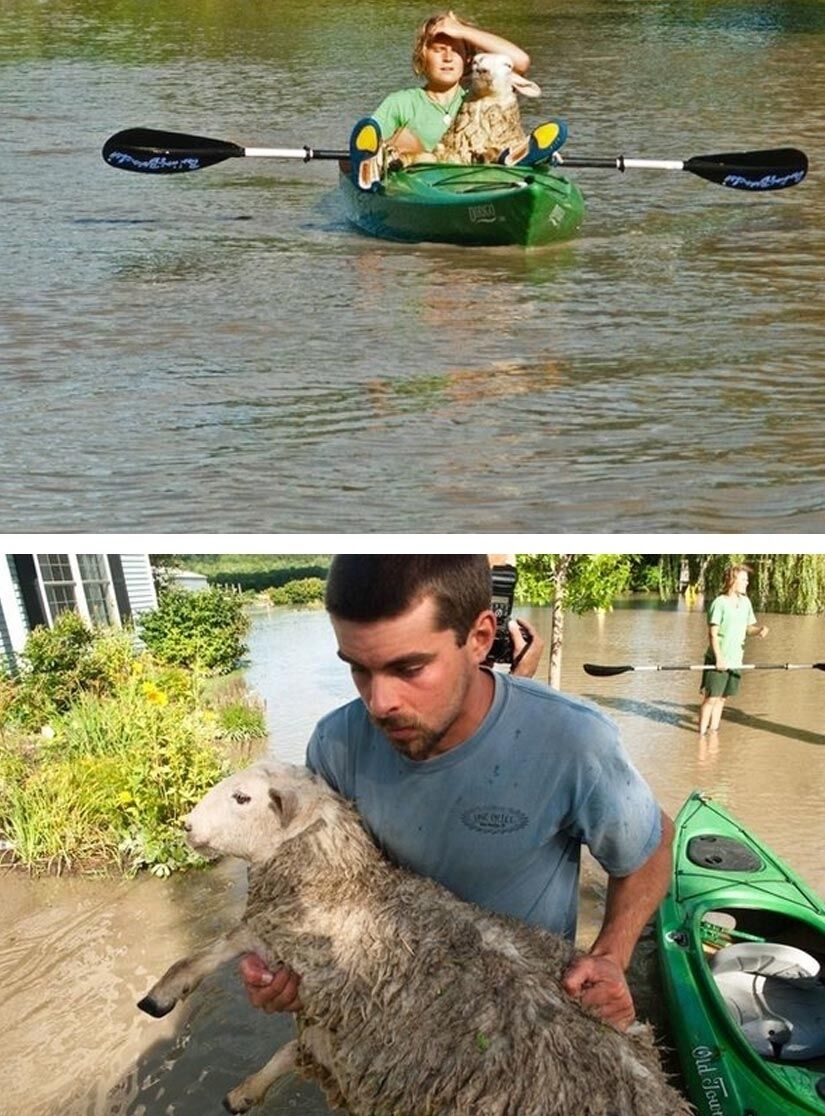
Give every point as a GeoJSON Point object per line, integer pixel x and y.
{"type": "Point", "coordinates": [77, 954]}
{"type": "Point", "coordinates": [262, 338]}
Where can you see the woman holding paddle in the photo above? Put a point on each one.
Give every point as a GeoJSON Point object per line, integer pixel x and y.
{"type": "Point", "coordinates": [730, 619]}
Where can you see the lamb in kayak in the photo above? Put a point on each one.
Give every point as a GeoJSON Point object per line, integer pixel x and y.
{"type": "Point", "coordinates": [413, 1003]}
{"type": "Point", "coordinates": [489, 121]}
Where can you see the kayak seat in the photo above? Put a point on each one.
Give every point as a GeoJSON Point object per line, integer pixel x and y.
{"type": "Point", "coordinates": [539, 147]}
{"type": "Point", "coordinates": [365, 154]}
{"type": "Point", "coordinates": [774, 993]}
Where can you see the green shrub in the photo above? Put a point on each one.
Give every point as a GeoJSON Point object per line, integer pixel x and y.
{"type": "Point", "coordinates": [60, 663]}
{"type": "Point", "coordinates": [202, 631]}
{"type": "Point", "coordinates": [306, 590]}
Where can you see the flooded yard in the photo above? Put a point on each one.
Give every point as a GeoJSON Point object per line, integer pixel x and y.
{"type": "Point", "coordinates": [76, 954]}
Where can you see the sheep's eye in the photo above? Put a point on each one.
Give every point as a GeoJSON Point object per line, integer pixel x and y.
{"type": "Point", "coordinates": [241, 798]}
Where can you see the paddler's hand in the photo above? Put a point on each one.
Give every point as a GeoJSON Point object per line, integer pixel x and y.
{"type": "Point", "coordinates": [599, 985]}
{"type": "Point", "coordinates": [269, 989]}
{"type": "Point", "coordinates": [721, 664]}
{"type": "Point", "coordinates": [450, 25]}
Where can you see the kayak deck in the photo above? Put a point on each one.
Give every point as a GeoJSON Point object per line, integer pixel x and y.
{"type": "Point", "coordinates": [481, 204]}
{"type": "Point", "coordinates": [742, 950]}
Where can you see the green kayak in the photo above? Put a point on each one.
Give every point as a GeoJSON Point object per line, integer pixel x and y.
{"type": "Point", "coordinates": [483, 204]}
{"type": "Point", "coordinates": [742, 950]}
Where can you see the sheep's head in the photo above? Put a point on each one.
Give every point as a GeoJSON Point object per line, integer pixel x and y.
{"type": "Point", "coordinates": [252, 813]}
{"type": "Point", "coordinates": [492, 75]}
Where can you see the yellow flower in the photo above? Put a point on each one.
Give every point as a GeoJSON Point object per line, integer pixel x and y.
{"type": "Point", "coordinates": [151, 692]}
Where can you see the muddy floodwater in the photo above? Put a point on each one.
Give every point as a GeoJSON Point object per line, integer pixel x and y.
{"type": "Point", "coordinates": [226, 348]}
{"type": "Point", "coordinates": [75, 955]}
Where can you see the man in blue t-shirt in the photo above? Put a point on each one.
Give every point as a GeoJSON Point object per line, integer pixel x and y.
{"type": "Point", "coordinates": [488, 783]}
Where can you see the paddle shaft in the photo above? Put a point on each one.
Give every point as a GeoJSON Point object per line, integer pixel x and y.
{"type": "Point", "coordinates": [608, 671]}
{"type": "Point", "coordinates": [305, 153]}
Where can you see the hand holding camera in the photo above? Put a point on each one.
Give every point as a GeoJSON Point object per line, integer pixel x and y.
{"type": "Point", "coordinates": [516, 641]}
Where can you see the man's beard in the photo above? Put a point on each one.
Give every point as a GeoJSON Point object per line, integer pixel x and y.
{"type": "Point", "coordinates": [421, 746]}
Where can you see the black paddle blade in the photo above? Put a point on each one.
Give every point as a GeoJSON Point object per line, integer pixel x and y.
{"type": "Point", "coordinates": [605, 671]}
{"type": "Point", "coordinates": [752, 170]}
{"type": "Point", "coordinates": [153, 152]}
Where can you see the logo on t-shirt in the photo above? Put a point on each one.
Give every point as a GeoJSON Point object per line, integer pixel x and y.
{"type": "Point", "coordinates": [494, 819]}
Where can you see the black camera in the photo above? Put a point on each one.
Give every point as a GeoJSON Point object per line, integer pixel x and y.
{"type": "Point", "coordinates": [504, 587]}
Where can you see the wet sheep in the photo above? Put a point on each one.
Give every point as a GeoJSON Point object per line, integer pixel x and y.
{"type": "Point", "coordinates": [414, 1003]}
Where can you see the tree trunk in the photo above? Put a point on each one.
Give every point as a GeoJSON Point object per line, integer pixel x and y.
{"type": "Point", "coordinates": [557, 632]}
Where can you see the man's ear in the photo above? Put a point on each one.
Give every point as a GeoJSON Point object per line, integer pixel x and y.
{"type": "Point", "coordinates": [482, 634]}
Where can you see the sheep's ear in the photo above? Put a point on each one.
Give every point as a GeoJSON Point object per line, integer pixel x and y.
{"type": "Point", "coordinates": [524, 86]}
{"type": "Point", "coordinates": [284, 804]}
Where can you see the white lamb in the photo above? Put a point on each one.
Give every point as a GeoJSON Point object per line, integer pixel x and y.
{"type": "Point", "coordinates": [489, 120]}
{"type": "Point", "coordinates": [414, 1003]}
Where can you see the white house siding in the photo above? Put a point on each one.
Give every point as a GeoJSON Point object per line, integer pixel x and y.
{"type": "Point", "coordinates": [137, 573]}
{"type": "Point", "coordinates": [13, 626]}
{"type": "Point", "coordinates": [6, 649]}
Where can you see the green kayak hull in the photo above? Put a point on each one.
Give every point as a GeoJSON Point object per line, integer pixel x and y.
{"type": "Point", "coordinates": [484, 204]}
{"type": "Point", "coordinates": [728, 889]}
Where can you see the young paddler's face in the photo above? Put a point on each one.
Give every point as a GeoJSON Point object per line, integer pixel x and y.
{"type": "Point", "coordinates": [444, 60]}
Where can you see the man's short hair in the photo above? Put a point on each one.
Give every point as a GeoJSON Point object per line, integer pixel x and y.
{"type": "Point", "coordinates": [367, 587]}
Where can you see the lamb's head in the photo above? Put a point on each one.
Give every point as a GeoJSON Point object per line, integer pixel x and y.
{"type": "Point", "coordinates": [252, 813]}
{"type": "Point", "coordinates": [492, 75]}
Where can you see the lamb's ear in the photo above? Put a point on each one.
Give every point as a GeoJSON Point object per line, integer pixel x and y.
{"type": "Point", "coordinates": [284, 804]}
{"type": "Point", "coordinates": [524, 86]}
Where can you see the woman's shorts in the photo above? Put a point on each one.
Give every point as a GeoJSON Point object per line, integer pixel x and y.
{"type": "Point", "coordinates": [720, 683]}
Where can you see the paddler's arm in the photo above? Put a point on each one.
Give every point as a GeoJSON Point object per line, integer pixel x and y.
{"type": "Point", "coordinates": [481, 40]}
{"type": "Point", "coordinates": [713, 639]}
{"type": "Point", "coordinates": [597, 980]}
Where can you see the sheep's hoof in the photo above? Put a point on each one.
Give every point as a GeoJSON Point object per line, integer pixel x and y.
{"type": "Point", "coordinates": [153, 1008]}
{"type": "Point", "coordinates": [235, 1104]}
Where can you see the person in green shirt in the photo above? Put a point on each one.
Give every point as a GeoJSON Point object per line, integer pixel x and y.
{"type": "Point", "coordinates": [730, 619]}
{"type": "Point", "coordinates": [414, 120]}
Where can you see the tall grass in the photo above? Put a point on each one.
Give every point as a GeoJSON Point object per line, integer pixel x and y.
{"type": "Point", "coordinates": [106, 781]}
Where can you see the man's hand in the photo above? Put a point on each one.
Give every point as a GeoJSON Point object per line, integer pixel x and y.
{"type": "Point", "coordinates": [268, 989]}
{"type": "Point", "coordinates": [528, 664]}
{"type": "Point", "coordinates": [599, 985]}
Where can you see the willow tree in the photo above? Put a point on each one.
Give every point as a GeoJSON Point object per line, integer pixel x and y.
{"type": "Point", "coordinates": [575, 583]}
{"type": "Point", "coordinates": [790, 583]}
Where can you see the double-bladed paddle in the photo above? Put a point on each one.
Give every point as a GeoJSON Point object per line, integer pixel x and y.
{"type": "Point", "coordinates": [149, 151]}
{"type": "Point", "coordinates": [608, 671]}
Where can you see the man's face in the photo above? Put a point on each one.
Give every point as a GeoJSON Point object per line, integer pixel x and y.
{"type": "Point", "coordinates": [741, 582]}
{"type": "Point", "coordinates": [419, 687]}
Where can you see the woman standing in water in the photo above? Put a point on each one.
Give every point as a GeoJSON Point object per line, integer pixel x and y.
{"type": "Point", "coordinates": [730, 619]}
